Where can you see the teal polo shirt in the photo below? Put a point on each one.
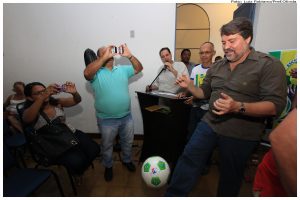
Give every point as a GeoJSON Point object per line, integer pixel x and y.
{"type": "Point", "coordinates": [111, 91]}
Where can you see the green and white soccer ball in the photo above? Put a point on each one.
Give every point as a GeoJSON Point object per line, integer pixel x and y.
{"type": "Point", "coordinates": [155, 171]}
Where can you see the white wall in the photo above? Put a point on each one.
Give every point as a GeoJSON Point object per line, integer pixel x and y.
{"type": "Point", "coordinates": [45, 42]}
{"type": "Point", "coordinates": [275, 26]}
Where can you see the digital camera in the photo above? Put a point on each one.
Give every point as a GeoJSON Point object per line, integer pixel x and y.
{"type": "Point", "coordinates": [118, 50]}
{"type": "Point", "coordinates": [62, 88]}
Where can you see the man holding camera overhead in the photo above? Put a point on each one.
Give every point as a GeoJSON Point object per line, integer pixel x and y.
{"type": "Point", "coordinates": [112, 102]}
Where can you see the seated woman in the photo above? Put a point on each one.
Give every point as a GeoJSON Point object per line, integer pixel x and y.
{"type": "Point", "coordinates": [10, 110]}
{"type": "Point", "coordinates": [39, 99]}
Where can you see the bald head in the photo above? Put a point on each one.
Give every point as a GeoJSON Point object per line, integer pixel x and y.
{"type": "Point", "coordinates": [207, 52]}
{"type": "Point", "coordinates": [100, 50]}
{"type": "Point", "coordinates": [209, 45]}
{"type": "Point", "coordinates": [109, 61]}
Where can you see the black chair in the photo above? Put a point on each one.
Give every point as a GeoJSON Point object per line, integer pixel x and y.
{"type": "Point", "coordinates": [14, 141]}
{"type": "Point", "coordinates": [22, 182]}
{"type": "Point", "coordinates": [40, 160]}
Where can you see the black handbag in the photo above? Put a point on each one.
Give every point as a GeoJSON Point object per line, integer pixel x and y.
{"type": "Point", "coordinates": [53, 139]}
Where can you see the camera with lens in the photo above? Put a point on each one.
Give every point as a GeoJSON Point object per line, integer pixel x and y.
{"type": "Point", "coordinates": [118, 50]}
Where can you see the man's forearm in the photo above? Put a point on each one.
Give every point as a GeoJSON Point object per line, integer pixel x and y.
{"type": "Point", "coordinates": [284, 146]}
{"type": "Point", "coordinates": [137, 65]}
{"type": "Point", "coordinates": [174, 72]}
{"type": "Point", "coordinates": [258, 109]}
{"type": "Point", "coordinates": [31, 113]}
{"type": "Point", "coordinates": [196, 91]}
{"type": "Point", "coordinates": [76, 97]}
{"type": "Point", "coordinates": [92, 68]}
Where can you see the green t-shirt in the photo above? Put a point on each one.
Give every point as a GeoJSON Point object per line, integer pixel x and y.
{"type": "Point", "coordinates": [112, 98]}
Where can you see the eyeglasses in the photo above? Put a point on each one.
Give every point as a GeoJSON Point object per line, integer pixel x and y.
{"type": "Point", "coordinates": [39, 92]}
{"type": "Point", "coordinates": [205, 52]}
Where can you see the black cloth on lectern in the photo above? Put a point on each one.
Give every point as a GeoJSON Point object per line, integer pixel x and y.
{"type": "Point", "coordinates": [164, 133]}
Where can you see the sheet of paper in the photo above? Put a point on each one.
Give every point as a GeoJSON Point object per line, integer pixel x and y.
{"type": "Point", "coordinates": [164, 93]}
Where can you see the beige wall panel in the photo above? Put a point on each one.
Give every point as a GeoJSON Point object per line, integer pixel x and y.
{"type": "Point", "coordinates": [191, 16]}
{"type": "Point", "coordinates": [191, 38]}
{"type": "Point", "coordinates": [218, 14]}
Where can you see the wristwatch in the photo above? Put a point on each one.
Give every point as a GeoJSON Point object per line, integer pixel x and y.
{"type": "Point", "coordinates": [242, 108]}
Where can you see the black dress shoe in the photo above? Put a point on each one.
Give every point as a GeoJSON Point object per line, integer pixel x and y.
{"type": "Point", "coordinates": [108, 174]}
{"type": "Point", "coordinates": [130, 166]}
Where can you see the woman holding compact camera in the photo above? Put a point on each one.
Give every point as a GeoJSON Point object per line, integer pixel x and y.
{"type": "Point", "coordinates": [40, 105]}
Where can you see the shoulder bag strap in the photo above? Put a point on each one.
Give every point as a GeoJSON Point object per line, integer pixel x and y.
{"type": "Point", "coordinates": [44, 115]}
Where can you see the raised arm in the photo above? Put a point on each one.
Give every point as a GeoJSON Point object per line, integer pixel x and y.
{"type": "Point", "coordinates": [70, 101]}
{"type": "Point", "coordinates": [137, 65]}
{"type": "Point", "coordinates": [185, 82]}
{"type": "Point", "coordinates": [31, 113]}
{"type": "Point", "coordinates": [93, 67]}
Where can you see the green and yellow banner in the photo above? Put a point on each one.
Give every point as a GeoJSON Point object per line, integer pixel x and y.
{"type": "Point", "coordinates": [289, 60]}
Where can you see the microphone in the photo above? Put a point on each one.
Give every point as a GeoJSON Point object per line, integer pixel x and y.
{"type": "Point", "coordinates": [163, 69]}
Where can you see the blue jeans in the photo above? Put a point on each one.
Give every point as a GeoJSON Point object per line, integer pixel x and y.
{"type": "Point", "coordinates": [196, 115]}
{"type": "Point", "coordinates": [233, 156]}
{"type": "Point", "coordinates": [109, 129]}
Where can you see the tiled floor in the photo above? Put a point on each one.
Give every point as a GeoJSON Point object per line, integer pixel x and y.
{"type": "Point", "coordinates": [130, 184]}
